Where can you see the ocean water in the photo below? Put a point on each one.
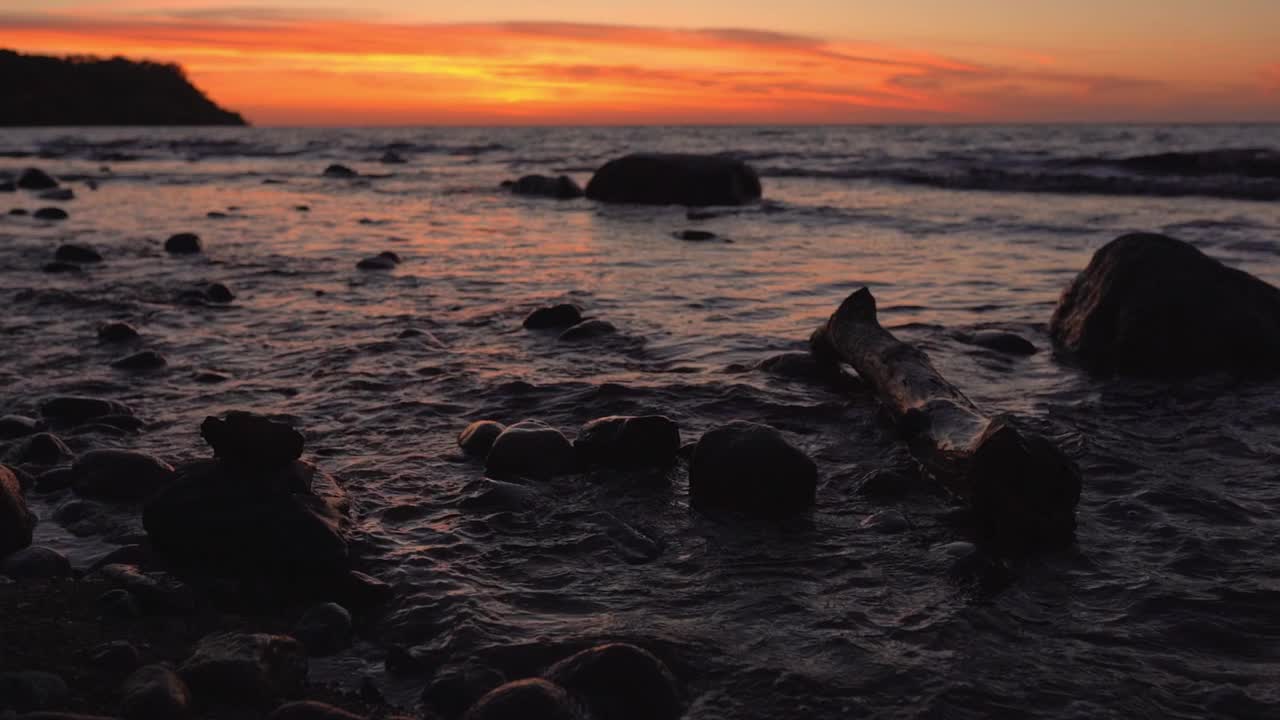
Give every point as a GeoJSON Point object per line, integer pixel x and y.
{"type": "Point", "coordinates": [1168, 604]}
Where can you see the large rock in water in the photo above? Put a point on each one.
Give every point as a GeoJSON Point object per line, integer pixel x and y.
{"type": "Point", "coordinates": [530, 449]}
{"type": "Point", "coordinates": [751, 467]}
{"type": "Point", "coordinates": [245, 439]}
{"type": "Point", "coordinates": [533, 699]}
{"type": "Point", "coordinates": [1151, 305]}
{"type": "Point", "coordinates": [125, 475]}
{"type": "Point", "coordinates": [624, 441]}
{"type": "Point", "coordinates": [619, 682]}
{"type": "Point", "coordinates": [16, 522]}
{"type": "Point", "coordinates": [673, 179]}
{"type": "Point", "coordinates": [560, 188]}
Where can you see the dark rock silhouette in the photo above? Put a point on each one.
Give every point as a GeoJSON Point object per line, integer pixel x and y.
{"type": "Point", "coordinates": [237, 668]}
{"type": "Point", "coordinates": [533, 699]}
{"type": "Point", "coordinates": [183, 244]}
{"type": "Point", "coordinates": [1151, 305]}
{"type": "Point", "coordinates": [16, 522]}
{"type": "Point", "coordinates": [619, 682]}
{"type": "Point", "coordinates": [124, 475]}
{"type": "Point", "coordinates": [478, 437]}
{"type": "Point", "coordinates": [553, 317]}
{"type": "Point", "coordinates": [76, 254]}
{"type": "Point", "coordinates": [141, 360]}
{"type": "Point", "coordinates": [35, 178]}
{"type": "Point", "coordinates": [58, 194]}
{"type": "Point", "coordinates": [153, 692]}
{"type": "Point", "coordinates": [1000, 341]}
{"type": "Point", "coordinates": [624, 441]}
{"type": "Point", "coordinates": [385, 260]}
{"type": "Point", "coordinates": [339, 171]}
{"type": "Point", "coordinates": [695, 235]}
{"type": "Point", "coordinates": [392, 157]}
{"type": "Point", "coordinates": [84, 90]}
{"type": "Point", "coordinates": [117, 332]}
{"type": "Point", "coordinates": [50, 213]}
{"type": "Point", "coordinates": [530, 449]}
{"type": "Point", "coordinates": [751, 467]}
{"type": "Point", "coordinates": [35, 563]}
{"type": "Point", "coordinates": [588, 330]}
{"type": "Point", "coordinates": [560, 188]}
{"type": "Point", "coordinates": [674, 179]}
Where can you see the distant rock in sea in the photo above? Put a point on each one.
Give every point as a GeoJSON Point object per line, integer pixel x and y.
{"type": "Point", "coordinates": [675, 179]}
{"type": "Point", "coordinates": [43, 90]}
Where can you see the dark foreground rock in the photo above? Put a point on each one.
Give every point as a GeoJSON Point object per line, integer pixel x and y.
{"type": "Point", "coordinates": [36, 179]}
{"type": "Point", "coordinates": [673, 179]}
{"type": "Point", "coordinates": [14, 426]}
{"type": "Point", "coordinates": [50, 213]}
{"type": "Point", "coordinates": [1151, 305]}
{"type": "Point", "coordinates": [245, 668]}
{"type": "Point", "coordinates": [623, 441]}
{"type": "Point", "coordinates": [121, 475]}
{"type": "Point", "coordinates": [385, 260]}
{"type": "Point", "coordinates": [40, 449]}
{"type": "Point", "coordinates": [324, 629]}
{"type": "Point", "coordinates": [76, 254]}
{"type": "Point", "coordinates": [117, 332]}
{"type": "Point", "coordinates": [751, 467]}
{"type": "Point", "coordinates": [154, 692]}
{"type": "Point", "coordinates": [532, 699]}
{"type": "Point", "coordinates": [311, 710]}
{"type": "Point", "coordinates": [478, 437]}
{"type": "Point", "coordinates": [35, 563]}
{"type": "Point", "coordinates": [340, 171]}
{"type": "Point", "coordinates": [16, 522]}
{"type": "Point", "coordinates": [252, 441]}
{"type": "Point", "coordinates": [183, 244]}
{"type": "Point", "coordinates": [553, 317]}
{"type": "Point", "coordinates": [560, 188]}
{"type": "Point", "coordinates": [31, 690]}
{"type": "Point", "coordinates": [75, 410]}
{"type": "Point", "coordinates": [619, 682]}
{"type": "Point", "coordinates": [530, 449]}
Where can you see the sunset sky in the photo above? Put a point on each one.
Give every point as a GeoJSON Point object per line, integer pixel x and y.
{"type": "Point", "coordinates": [378, 62]}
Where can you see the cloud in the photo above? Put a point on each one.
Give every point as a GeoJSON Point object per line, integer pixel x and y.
{"type": "Point", "coordinates": [291, 66]}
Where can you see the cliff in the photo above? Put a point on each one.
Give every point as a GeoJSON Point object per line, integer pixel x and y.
{"type": "Point", "coordinates": [77, 90]}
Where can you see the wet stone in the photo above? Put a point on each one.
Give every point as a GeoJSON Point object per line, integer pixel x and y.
{"type": "Point", "coordinates": [554, 317]}
{"type": "Point", "coordinates": [252, 440]}
{"type": "Point", "coordinates": [143, 360]}
{"type": "Point", "coordinates": [59, 194]}
{"type": "Point", "coordinates": [392, 157]}
{"type": "Point", "coordinates": [339, 171]}
{"type": "Point", "coordinates": [73, 409]}
{"type": "Point", "coordinates": [382, 261]}
{"type": "Point", "coordinates": [530, 449]}
{"type": "Point", "coordinates": [154, 692]}
{"type": "Point", "coordinates": [751, 467]}
{"type": "Point", "coordinates": [117, 332]}
{"type": "Point", "coordinates": [118, 603]}
{"type": "Point", "coordinates": [27, 691]}
{"type": "Point", "coordinates": [242, 668]}
{"type": "Point", "coordinates": [54, 480]}
{"type": "Point", "coordinates": [183, 244]}
{"type": "Point", "coordinates": [15, 426]}
{"type": "Point", "coordinates": [40, 449]}
{"type": "Point", "coordinates": [36, 179]}
{"type": "Point", "coordinates": [532, 699]}
{"type": "Point", "coordinates": [58, 267]}
{"type": "Point", "coordinates": [624, 441]}
{"type": "Point", "coordinates": [18, 211]}
{"type": "Point", "coordinates": [452, 691]}
{"type": "Point", "coordinates": [35, 563]}
{"type": "Point", "coordinates": [324, 629]}
{"type": "Point", "coordinates": [219, 293]}
{"type": "Point", "coordinates": [121, 475]}
{"type": "Point", "coordinates": [588, 330]}
{"type": "Point", "coordinates": [77, 254]}
{"type": "Point", "coordinates": [1003, 342]}
{"type": "Point", "coordinates": [118, 655]}
{"type": "Point", "coordinates": [695, 235]}
{"type": "Point", "coordinates": [50, 213]}
{"type": "Point", "coordinates": [619, 682]}
{"type": "Point", "coordinates": [479, 436]}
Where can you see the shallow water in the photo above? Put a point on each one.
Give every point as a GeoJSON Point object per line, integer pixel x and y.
{"type": "Point", "coordinates": [1167, 606]}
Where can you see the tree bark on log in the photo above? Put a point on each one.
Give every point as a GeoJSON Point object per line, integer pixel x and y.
{"type": "Point", "coordinates": [1022, 488]}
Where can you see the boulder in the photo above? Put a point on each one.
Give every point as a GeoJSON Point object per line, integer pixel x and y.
{"type": "Point", "coordinates": [532, 699]}
{"type": "Point", "coordinates": [588, 330]}
{"type": "Point", "coordinates": [479, 436]}
{"type": "Point", "coordinates": [76, 254]}
{"type": "Point", "coordinates": [311, 710]}
{"type": "Point", "coordinates": [16, 426]}
{"type": "Point", "coordinates": [183, 244]}
{"type": "Point", "coordinates": [154, 692]}
{"type": "Point", "coordinates": [18, 212]}
{"type": "Point", "coordinates": [385, 260]}
{"type": "Point", "coordinates": [619, 682]}
{"type": "Point", "coordinates": [695, 235]}
{"type": "Point", "coordinates": [1000, 341]}
{"type": "Point", "coordinates": [324, 629]}
{"type": "Point", "coordinates": [674, 179]}
{"type": "Point", "coordinates": [243, 668]}
{"type": "Point", "coordinates": [455, 689]}
{"type": "Point", "coordinates": [251, 440]}
{"type": "Point", "coordinates": [16, 522]}
{"type": "Point", "coordinates": [1150, 305]}
{"type": "Point", "coordinates": [26, 691]}
{"type": "Point", "coordinates": [35, 563]}
{"type": "Point", "coordinates": [751, 467]}
{"type": "Point", "coordinates": [218, 293]}
{"type": "Point", "coordinates": [560, 188]}
{"type": "Point", "coordinates": [50, 213]}
{"type": "Point", "coordinates": [117, 332]}
{"type": "Point", "coordinates": [60, 194]}
{"type": "Point", "coordinates": [555, 317]}
{"type": "Point", "coordinates": [36, 179]}
{"type": "Point", "coordinates": [74, 410]}
{"type": "Point", "coordinates": [621, 441]}
{"type": "Point", "coordinates": [40, 449]}
{"type": "Point", "coordinates": [339, 171]}
{"type": "Point", "coordinates": [122, 475]}
{"type": "Point", "coordinates": [141, 360]}
{"type": "Point", "coordinates": [530, 449]}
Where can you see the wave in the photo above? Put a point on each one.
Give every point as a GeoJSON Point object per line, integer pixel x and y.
{"type": "Point", "coordinates": [1240, 162]}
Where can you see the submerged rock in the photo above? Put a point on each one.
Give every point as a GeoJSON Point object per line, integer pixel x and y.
{"type": "Point", "coordinates": [219, 293]}
{"type": "Point", "coordinates": [40, 449]}
{"type": "Point", "coordinates": [142, 360]}
{"type": "Point", "coordinates": [532, 699]}
{"type": "Point", "coordinates": [154, 692]}
{"type": "Point", "coordinates": [560, 188]}
{"type": "Point", "coordinates": [16, 521]}
{"type": "Point", "coordinates": [339, 171]}
{"type": "Point", "coordinates": [117, 332]}
{"type": "Point", "coordinates": [58, 266]}
{"type": "Point", "coordinates": [1150, 305]}
{"type": "Point", "coordinates": [14, 426]}
{"type": "Point", "coordinates": [530, 449]}
{"type": "Point", "coordinates": [619, 682]}
{"type": "Point", "coordinates": [623, 441]}
{"type": "Point", "coordinates": [58, 194]}
{"type": "Point", "coordinates": [674, 179]}
{"type": "Point", "coordinates": [751, 467]}
{"type": "Point", "coordinates": [391, 157]}
{"type": "Point", "coordinates": [74, 410]}
{"type": "Point", "coordinates": [385, 260]}
{"type": "Point", "coordinates": [36, 179]}
{"type": "Point", "coordinates": [183, 244]}
{"type": "Point", "coordinates": [35, 563]}
{"type": "Point", "coordinates": [76, 254]}
{"type": "Point", "coordinates": [50, 213]}
{"type": "Point", "coordinates": [29, 690]}
{"type": "Point", "coordinates": [695, 235]}
{"type": "Point", "coordinates": [122, 475]}
{"type": "Point", "coordinates": [588, 330]}
{"type": "Point", "coordinates": [479, 436]}
{"type": "Point", "coordinates": [324, 629]}
{"type": "Point", "coordinates": [552, 317]}
{"type": "Point", "coordinates": [242, 668]}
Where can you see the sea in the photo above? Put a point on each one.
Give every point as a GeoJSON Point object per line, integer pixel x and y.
{"type": "Point", "coordinates": [872, 605]}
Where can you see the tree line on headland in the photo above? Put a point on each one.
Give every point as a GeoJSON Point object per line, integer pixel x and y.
{"type": "Point", "coordinates": [85, 90]}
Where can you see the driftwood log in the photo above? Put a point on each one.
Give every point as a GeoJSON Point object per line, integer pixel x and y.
{"type": "Point", "coordinates": [1022, 489]}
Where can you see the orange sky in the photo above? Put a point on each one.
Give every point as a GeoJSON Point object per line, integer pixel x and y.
{"type": "Point", "coordinates": [499, 61]}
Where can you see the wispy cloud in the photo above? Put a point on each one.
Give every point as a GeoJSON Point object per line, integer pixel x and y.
{"type": "Point", "coordinates": [287, 66]}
